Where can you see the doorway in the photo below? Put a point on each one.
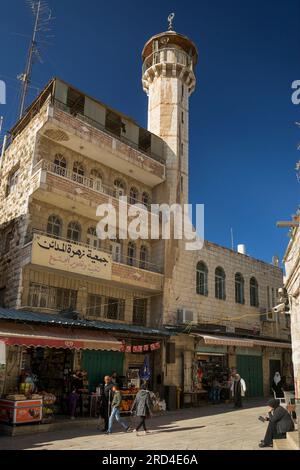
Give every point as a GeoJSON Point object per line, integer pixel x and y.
{"type": "Point", "coordinates": [251, 370]}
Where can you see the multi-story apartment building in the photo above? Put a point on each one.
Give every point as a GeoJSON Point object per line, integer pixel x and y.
{"type": "Point", "coordinates": [69, 154]}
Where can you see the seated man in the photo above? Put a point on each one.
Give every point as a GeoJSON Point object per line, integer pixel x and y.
{"type": "Point", "coordinates": [280, 422]}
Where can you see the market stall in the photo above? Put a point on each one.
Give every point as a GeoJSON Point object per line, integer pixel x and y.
{"type": "Point", "coordinates": [44, 374]}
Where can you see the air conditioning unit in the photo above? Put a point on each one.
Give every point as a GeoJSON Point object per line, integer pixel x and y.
{"type": "Point", "coordinates": [267, 315]}
{"type": "Point", "coordinates": [230, 329]}
{"type": "Point", "coordinates": [186, 316]}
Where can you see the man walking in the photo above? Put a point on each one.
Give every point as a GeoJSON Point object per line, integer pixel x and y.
{"type": "Point", "coordinates": [106, 399]}
{"type": "Point", "coordinates": [238, 390]}
{"type": "Point", "coordinates": [115, 412]}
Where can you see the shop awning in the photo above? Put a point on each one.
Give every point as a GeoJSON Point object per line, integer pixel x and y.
{"type": "Point", "coordinates": [271, 344]}
{"type": "Point", "coordinates": [242, 342]}
{"type": "Point", "coordinates": [226, 340]}
{"type": "Point", "coordinates": [57, 337]}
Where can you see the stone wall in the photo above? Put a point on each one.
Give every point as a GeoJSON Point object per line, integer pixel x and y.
{"type": "Point", "coordinates": [14, 206]}
{"type": "Point", "coordinates": [292, 265]}
{"type": "Point", "coordinates": [180, 289]}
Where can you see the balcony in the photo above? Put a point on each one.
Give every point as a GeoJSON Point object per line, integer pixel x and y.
{"type": "Point", "coordinates": [170, 56]}
{"type": "Point", "coordinates": [83, 124]}
{"type": "Point", "coordinates": [93, 140]}
{"type": "Point", "coordinates": [63, 188]}
{"type": "Point", "coordinates": [45, 250]}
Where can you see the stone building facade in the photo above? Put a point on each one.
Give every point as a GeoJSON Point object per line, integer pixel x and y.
{"type": "Point", "coordinates": [69, 154]}
{"type": "Point", "coordinates": [292, 267]}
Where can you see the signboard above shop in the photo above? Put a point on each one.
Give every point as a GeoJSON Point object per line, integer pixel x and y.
{"type": "Point", "coordinates": [70, 257]}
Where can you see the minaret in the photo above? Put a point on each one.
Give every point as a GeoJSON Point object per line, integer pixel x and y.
{"type": "Point", "coordinates": [168, 79]}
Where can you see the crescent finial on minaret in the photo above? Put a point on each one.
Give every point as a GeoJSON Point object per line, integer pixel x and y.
{"type": "Point", "coordinates": [170, 20]}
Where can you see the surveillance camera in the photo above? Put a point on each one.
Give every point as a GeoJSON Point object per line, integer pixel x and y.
{"type": "Point", "coordinates": [279, 308]}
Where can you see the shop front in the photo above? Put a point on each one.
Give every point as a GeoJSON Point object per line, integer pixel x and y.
{"type": "Point", "coordinates": [41, 363]}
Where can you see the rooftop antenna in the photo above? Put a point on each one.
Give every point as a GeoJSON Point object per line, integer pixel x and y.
{"type": "Point", "coordinates": [42, 17]}
{"type": "Point", "coordinates": [1, 123]}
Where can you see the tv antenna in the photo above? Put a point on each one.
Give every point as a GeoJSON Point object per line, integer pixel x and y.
{"type": "Point", "coordinates": [42, 18]}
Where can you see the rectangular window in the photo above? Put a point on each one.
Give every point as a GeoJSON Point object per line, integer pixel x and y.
{"type": "Point", "coordinates": [12, 183]}
{"type": "Point", "coordinates": [182, 117]}
{"type": "Point", "coordinates": [2, 296]}
{"type": "Point", "coordinates": [7, 238]}
{"type": "Point", "coordinates": [43, 296]}
{"type": "Point", "coordinates": [144, 140]}
{"type": "Point", "coordinates": [94, 303]}
{"type": "Point", "coordinates": [139, 312]}
{"type": "Point", "coordinates": [273, 297]}
{"type": "Point", "coordinates": [113, 122]}
{"type": "Point", "coordinates": [75, 102]}
{"type": "Point", "coordinates": [268, 298]}
{"type": "Point", "coordinates": [114, 308]}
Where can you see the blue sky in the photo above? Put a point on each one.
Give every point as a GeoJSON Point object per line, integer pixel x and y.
{"type": "Point", "coordinates": [243, 138]}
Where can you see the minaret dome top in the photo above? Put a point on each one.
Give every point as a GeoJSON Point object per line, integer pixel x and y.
{"type": "Point", "coordinates": [170, 39]}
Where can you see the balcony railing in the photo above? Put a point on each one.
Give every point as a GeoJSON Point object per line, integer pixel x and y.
{"type": "Point", "coordinates": [88, 120]}
{"type": "Point", "coordinates": [168, 55]}
{"type": "Point", "coordinates": [90, 183]}
{"type": "Point", "coordinates": [116, 257]}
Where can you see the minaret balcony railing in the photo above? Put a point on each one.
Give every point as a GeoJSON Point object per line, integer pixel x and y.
{"type": "Point", "coordinates": [168, 56]}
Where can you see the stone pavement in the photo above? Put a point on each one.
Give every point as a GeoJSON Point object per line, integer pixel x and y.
{"type": "Point", "coordinates": [218, 427]}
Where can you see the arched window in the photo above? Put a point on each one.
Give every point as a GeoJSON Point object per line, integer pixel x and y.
{"type": "Point", "coordinates": [220, 287]}
{"type": "Point", "coordinates": [54, 226]}
{"type": "Point", "coordinates": [60, 164]}
{"type": "Point", "coordinates": [131, 253]}
{"type": "Point", "coordinates": [134, 195]}
{"type": "Point", "coordinates": [119, 188]}
{"type": "Point", "coordinates": [78, 172]}
{"type": "Point", "coordinates": [96, 180]}
{"type": "Point", "coordinates": [239, 289]}
{"type": "Point", "coordinates": [201, 279]}
{"type": "Point", "coordinates": [143, 257]}
{"type": "Point", "coordinates": [74, 232]}
{"type": "Point", "coordinates": [92, 240]}
{"type": "Point", "coordinates": [254, 301]}
{"type": "Point", "coordinates": [146, 199]}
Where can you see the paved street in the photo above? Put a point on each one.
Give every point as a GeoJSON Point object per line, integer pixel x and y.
{"type": "Point", "coordinates": [212, 428]}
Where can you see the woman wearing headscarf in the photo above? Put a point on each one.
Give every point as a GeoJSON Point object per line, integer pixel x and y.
{"type": "Point", "coordinates": [238, 389]}
{"type": "Point", "coordinates": [280, 422]}
{"type": "Point", "coordinates": [277, 386]}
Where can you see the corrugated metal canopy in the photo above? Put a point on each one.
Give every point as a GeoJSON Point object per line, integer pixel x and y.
{"type": "Point", "coordinates": [55, 319]}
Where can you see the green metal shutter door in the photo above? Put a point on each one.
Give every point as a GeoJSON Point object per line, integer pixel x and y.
{"type": "Point", "coordinates": [101, 363]}
{"type": "Point", "coordinates": [251, 370]}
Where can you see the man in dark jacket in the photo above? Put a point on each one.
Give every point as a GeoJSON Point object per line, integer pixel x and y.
{"type": "Point", "coordinates": [106, 399]}
{"type": "Point", "coordinates": [280, 422]}
{"type": "Point", "coordinates": [142, 407]}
